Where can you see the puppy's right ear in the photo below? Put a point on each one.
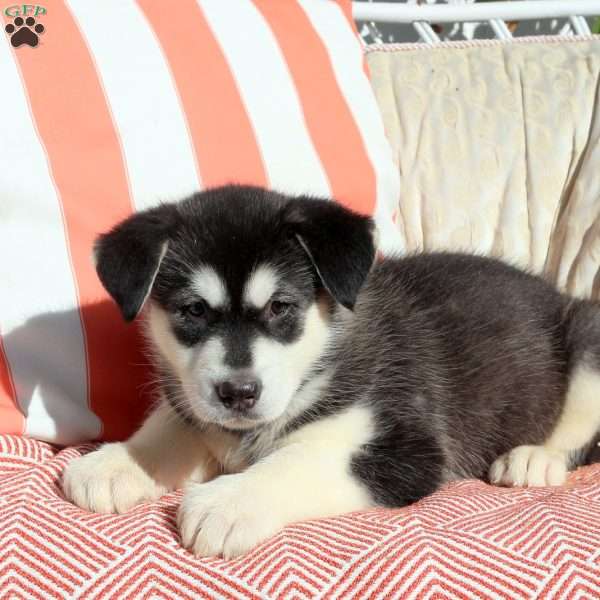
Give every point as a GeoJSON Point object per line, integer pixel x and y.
{"type": "Point", "coordinates": [128, 257]}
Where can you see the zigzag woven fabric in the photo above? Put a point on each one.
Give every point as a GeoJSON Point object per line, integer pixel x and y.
{"type": "Point", "coordinates": [469, 540]}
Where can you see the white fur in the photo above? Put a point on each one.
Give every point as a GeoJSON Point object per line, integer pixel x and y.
{"type": "Point", "coordinates": [162, 339]}
{"type": "Point", "coordinates": [197, 369]}
{"type": "Point", "coordinates": [532, 466]}
{"type": "Point", "coordinates": [576, 427]}
{"type": "Point", "coordinates": [224, 446]}
{"type": "Point", "coordinates": [580, 418]}
{"type": "Point", "coordinates": [307, 477]}
{"type": "Point", "coordinates": [209, 285]}
{"type": "Point", "coordinates": [259, 288]}
{"type": "Point", "coordinates": [259, 446]}
{"type": "Point", "coordinates": [281, 366]}
{"type": "Point", "coordinates": [163, 455]}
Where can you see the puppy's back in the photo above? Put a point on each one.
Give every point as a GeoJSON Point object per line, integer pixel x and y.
{"type": "Point", "coordinates": [498, 337]}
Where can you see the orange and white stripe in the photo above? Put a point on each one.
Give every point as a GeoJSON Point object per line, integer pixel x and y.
{"type": "Point", "coordinates": [345, 55]}
{"type": "Point", "coordinates": [124, 104]}
{"type": "Point", "coordinates": [41, 329]}
{"type": "Point", "coordinates": [158, 152]}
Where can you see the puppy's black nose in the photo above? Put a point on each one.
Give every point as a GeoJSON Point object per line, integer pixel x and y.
{"type": "Point", "coordinates": [239, 395]}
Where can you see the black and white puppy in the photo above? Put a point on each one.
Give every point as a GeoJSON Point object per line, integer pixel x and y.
{"type": "Point", "coordinates": [300, 380]}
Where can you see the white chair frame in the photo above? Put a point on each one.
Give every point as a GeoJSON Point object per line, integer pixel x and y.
{"type": "Point", "coordinates": [496, 13]}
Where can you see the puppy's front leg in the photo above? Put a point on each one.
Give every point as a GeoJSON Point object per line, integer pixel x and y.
{"type": "Point", "coordinates": [162, 455]}
{"type": "Point", "coordinates": [307, 476]}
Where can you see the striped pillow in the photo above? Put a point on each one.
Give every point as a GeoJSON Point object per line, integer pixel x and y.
{"type": "Point", "coordinates": [119, 104]}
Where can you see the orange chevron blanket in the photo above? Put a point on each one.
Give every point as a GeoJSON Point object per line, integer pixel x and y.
{"type": "Point", "coordinates": [469, 540]}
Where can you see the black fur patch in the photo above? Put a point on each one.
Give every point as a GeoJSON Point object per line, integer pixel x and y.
{"type": "Point", "coordinates": [460, 359]}
{"type": "Point", "coordinates": [338, 242]}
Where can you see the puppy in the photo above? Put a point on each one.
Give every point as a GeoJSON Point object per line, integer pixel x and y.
{"type": "Point", "coordinates": [301, 380]}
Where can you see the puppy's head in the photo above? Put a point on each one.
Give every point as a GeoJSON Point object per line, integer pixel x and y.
{"type": "Point", "coordinates": [239, 285]}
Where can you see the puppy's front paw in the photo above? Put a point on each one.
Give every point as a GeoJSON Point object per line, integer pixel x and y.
{"type": "Point", "coordinates": [532, 466]}
{"type": "Point", "coordinates": [108, 480]}
{"type": "Point", "coordinates": [226, 517]}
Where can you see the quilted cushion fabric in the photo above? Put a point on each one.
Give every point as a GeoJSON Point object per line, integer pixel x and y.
{"type": "Point", "coordinates": [498, 147]}
{"type": "Point", "coordinates": [469, 540]}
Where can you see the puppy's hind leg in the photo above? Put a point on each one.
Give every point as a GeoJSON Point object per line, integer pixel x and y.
{"type": "Point", "coordinates": [579, 422]}
{"type": "Point", "coordinates": [547, 464]}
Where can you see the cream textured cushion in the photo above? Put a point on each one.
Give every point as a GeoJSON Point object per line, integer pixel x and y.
{"type": "Point", "coordinates": [498, 146]}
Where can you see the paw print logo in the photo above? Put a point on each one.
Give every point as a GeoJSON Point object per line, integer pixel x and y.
{"type": "Point", "coordinates": [24, 32]}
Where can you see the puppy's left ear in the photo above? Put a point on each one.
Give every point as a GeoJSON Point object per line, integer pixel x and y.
{"type": "Point", "coordinates": [339, 243]}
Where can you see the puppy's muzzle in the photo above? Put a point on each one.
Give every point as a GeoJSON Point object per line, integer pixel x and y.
{"type": "Point", "coordinates": [239, 395]}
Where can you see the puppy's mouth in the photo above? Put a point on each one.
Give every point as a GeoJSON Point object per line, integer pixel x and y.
{"type": "Point", "coordinates": [241, 423]}
{"type": "Point", "coordinates": [210, 411]}
{"type": "Point", "coordinates": [231, 422]}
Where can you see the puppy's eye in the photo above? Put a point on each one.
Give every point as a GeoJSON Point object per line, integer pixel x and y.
{"type": "Point", "coordinates": [196, 310]}
{"type": "Point", "coordinates": [276, 308]}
